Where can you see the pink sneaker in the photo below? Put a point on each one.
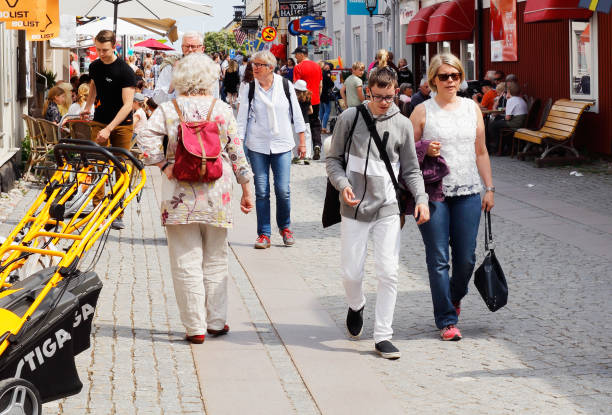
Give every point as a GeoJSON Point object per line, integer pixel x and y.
{"type": "Point", "coordinates": [450, 333]}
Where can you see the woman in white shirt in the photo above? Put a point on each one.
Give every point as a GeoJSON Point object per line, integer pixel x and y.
{"type": "Point", "coordinates": [455, 129]}
{"type": "Point", "coordinates": [516, 115]}
{"type": "Point", "coordinates": [266, 125]}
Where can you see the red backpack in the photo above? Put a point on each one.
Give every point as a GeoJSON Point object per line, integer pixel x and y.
{"type": "Point", "coordinates": [198, 151]}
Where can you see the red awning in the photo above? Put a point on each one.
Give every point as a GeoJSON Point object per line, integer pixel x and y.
{"type": "Point", "coordinates": [543, 10]}
{"type": "Point", "coordinates": [417, 28]}
{"type": "Point", "coordinates": [453, 20]}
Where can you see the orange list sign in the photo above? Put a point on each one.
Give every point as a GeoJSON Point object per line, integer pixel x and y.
{"type": "Point", "coordinates": [21, 10]}
{"type": "Point", "coordinates": [48, 26]}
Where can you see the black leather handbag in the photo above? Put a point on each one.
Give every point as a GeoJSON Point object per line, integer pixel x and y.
{"type": "Point", "coordinates": [489, 278]}
{"type": "Point", "coordinates": [331, 205]}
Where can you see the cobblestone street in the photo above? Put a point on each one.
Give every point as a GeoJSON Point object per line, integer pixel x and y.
{"type": "Point", "coordinates": [547, 351]}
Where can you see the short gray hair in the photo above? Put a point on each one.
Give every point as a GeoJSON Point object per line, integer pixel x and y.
{"type": "Point", "coordinates": [192, 34]}
{"type": "Point", "coordinates": [266, 56]}
{"type": "Point", "coordinates": [195, 74]}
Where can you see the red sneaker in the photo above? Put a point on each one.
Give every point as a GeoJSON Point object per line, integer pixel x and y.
{"type": "Point", "coordinates": [221, 332]}
{"type": "Point", "coordinates": [262, 242]}
{"type": "Point", "coordinates": [450, 333]}
{"type": "Point", "coordinates": [288, 238]}
{"type": "Point", "coordinates": [196, 338]}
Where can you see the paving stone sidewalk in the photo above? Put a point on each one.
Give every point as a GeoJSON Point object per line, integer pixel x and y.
{"type": "Point", "coordinates": [546, 351]}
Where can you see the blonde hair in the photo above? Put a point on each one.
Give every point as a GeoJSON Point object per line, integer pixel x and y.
{"type": "Point", "coordinates": [500, 88]}
{"type": "Point", "coordinates": [83, 93]}
{"type": "Point", "coordinates": [233, 66]}
{"type": "Point", "coordinates": [54, 92]}
{"type": "Point", "coordinates": [358, 66]}
{"type": "Point", "coordinates": [382, 56]}
{"type": "Point", "coordinates": [439, 60]}
{"type": "Point", "coordinates": [195, 74]}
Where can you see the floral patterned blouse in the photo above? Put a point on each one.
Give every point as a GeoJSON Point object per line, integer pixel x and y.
{"type": "Point", "coordinates": [53, 113]}
{"type": "Point", "coordinates": [195, 202]}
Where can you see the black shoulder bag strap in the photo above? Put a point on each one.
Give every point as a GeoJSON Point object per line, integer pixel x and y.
{"type": "Point", "coordinates": [347, 144]}
{"type": "Point", "coordinates": [379, 144]}
{"type": "Point", "coordinates": [251, 95]}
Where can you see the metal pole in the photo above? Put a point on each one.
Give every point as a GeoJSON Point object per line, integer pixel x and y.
{"type": "Point", "coordinates": [480, 40]}
{"type": "Point", "coordinates": [115, 17]}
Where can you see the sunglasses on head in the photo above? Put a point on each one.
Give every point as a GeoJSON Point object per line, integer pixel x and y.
{"type": "Point", "coordinates": [444, 76]}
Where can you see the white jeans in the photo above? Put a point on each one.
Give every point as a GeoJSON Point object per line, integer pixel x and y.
{"type": "Point", "coordinates": [354, 240]}
{"type": "Point", "coordinates": [198, 260]}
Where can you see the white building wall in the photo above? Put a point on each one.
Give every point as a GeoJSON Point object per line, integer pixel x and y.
{"type": "Point", "coordinates": [11, 109]}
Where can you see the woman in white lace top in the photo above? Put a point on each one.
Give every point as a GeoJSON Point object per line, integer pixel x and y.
{"type": "Point", "coordinates": [455, 127]}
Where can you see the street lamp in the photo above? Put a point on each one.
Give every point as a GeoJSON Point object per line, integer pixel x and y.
{"type": "Point", "coordinates": [371, 6]}
{"type": "Point", "coordinates": [275, 19]}
{"type": "Point", "coordinates": [259, 21]}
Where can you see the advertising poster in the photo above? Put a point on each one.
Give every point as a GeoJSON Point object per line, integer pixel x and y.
{"type": "Point", "coordinates": [503, 31]}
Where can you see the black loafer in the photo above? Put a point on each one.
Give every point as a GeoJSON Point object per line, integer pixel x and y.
{"type": "Point", "coordinates": [387, 350]}
{"type": "Point", "coordinates": [354, 322]}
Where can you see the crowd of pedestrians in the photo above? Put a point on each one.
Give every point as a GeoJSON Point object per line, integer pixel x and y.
{"type": "Point", "coordinates": [266, 114]}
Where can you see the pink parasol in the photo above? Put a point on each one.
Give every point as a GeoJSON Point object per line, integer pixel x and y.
{"type": "Point", "coordinates": [152, 44]}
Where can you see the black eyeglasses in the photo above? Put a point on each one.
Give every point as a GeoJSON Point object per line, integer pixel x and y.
{"type": "Point", "coordinates": [379, 98]}
{"type": "Point", "coordinates": [444, 76]}
{"type": "Point", "coordinates": [259, 65]}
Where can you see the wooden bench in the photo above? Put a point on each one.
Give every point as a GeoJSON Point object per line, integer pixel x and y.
{"type": "Point", "coordinates": [558, 131]}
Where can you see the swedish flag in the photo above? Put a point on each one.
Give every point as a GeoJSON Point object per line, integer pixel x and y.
{"type": "Point", "coordinates": [259, 43]}
{"type": "Point", "coordinates": [602, 6]}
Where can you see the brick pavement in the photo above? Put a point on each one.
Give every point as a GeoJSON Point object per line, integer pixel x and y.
{"type": "Point", "coordinates": [546, 351]}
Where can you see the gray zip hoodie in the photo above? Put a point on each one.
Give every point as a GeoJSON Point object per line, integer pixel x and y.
{"type": "Point", "coordinates": [366, 173]}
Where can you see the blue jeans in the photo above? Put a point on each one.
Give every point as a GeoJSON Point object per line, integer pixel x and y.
{"type": "Point", "coordinates": [281, 169]}
{"type": "Point", "coordinates": [324, 110]}
{"type": "Point", "coordinates": [453, 222]}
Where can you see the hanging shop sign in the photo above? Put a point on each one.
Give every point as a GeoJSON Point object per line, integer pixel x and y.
{"type": "Point", "coordinates": [293, 8]}
{"type": "Point", "coordinates": [312, 23]}
{"type": "Point", "coordinates": [22, 10]}
{"type": "Point", "coordinates": [268, 34]}
{"type": "Point", "coordinates": [249, 24]}
{"type": "Point", "coordinates": [504, 46]}
{"type": "Point", "coordinates": [407, 10]}
{"type": "Point", "coordinates": [358, 8]}
{"type": "Point", "coordinates": [295, 29]}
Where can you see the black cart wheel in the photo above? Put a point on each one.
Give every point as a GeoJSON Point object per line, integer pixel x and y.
{"type": "Point", "coordinates": [19, 397]}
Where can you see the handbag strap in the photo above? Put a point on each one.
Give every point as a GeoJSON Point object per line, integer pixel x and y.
{"type": "Point", "coordinates": [489, 243]}
{"type": "Point", "coordinates": [381, 149]}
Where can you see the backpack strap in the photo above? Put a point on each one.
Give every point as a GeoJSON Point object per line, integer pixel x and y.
{"type": "Point", "coordinates": [251, 95]}
{"type": "Point", "coordinates": [178, 111]}
{"type": "Point", "coordinates": [210, 110]}
{"type": "Point", "coordinates": [288, 95]}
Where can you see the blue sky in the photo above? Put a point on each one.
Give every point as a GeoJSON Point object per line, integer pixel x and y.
{"type": "Point", "coordinates": [222, 11]}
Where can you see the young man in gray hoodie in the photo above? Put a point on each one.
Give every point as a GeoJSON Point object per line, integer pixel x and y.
{"type": "Point", "coordinates": [368, 203]}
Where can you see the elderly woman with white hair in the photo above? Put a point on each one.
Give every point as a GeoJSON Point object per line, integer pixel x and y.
{"type": "Point", "coordinates": [268, 108]}
{"type": "Point", "coordinates": [197, 215]}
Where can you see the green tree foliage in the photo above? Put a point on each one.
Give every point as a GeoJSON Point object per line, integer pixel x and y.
{"type": "Point", "coordinates": [220, 42]}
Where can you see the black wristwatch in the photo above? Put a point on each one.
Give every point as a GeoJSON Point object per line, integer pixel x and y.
{"type": "Point", "coordinates": [164, 166]}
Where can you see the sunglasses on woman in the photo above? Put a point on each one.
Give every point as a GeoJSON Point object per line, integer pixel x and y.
{"type": "Point", "coordinates": [444, 76]}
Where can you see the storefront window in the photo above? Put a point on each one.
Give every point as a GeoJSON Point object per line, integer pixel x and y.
{"type": "Point", "coordinates": [337, 44]}
{"type": "Point", "coordinates": [583, 44]}
{"type": "Point", "coordinates": [467, 59]}
{"type": "Point", "coordinates": [444, 47]}
{"type": "Point", "coordinates": [379, 36]}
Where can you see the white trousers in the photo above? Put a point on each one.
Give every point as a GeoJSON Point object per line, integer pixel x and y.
{"type": "Point", "coordinates": [198, 260]}
{"type": "Point", "coordinates": [354, 243]}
